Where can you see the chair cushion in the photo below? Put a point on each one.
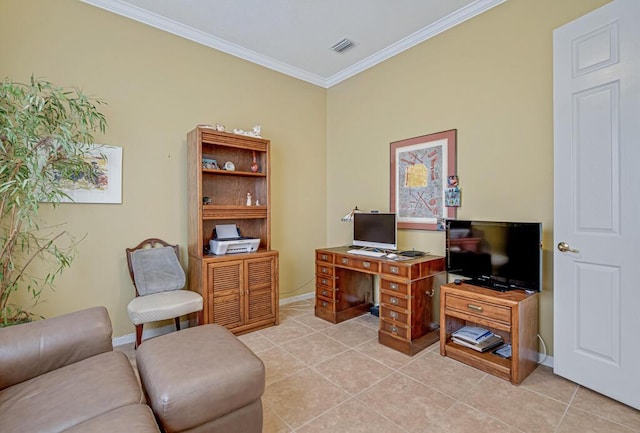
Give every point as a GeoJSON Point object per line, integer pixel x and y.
{"type": "Point", "coordinates": [162, 306]}
{"type": "Point", "coordinates": [157, 270]}
{"type": "Point", "coordinates": [71, 395]}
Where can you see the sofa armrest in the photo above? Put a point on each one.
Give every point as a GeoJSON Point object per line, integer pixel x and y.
{"type": "Point", "coordinates": [35, 348]}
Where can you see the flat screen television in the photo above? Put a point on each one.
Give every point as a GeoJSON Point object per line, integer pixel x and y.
{"type": "Point", "coordinates": [375, 230]}
{"type": "Point", "coordinates": [498, 255]}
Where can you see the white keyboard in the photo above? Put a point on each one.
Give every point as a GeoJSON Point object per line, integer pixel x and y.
{"type": "Point", "coordinates": [367, 253]}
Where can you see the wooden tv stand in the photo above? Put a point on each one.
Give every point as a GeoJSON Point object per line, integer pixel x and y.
{"type": "Point", "coordinates": [513, 315]}
{"type": "Point", "coordinates": [344, 289]}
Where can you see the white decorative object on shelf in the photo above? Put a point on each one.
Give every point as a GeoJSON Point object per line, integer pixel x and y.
{"type": "Point", "coordinates": [219, 127]}
{"type": "Point", "coordinates": [257, 202]}
{"type": "Point", "coordinates": [248, 199]}
{"type": "Point", "coordinates": [255, 131]}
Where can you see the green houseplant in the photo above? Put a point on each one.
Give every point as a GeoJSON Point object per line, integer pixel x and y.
{"type": "Point", "coordinates": [44, 131]}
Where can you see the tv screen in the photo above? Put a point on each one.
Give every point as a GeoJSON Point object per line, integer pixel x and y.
{"type": "Point", "coordinates": [375, 230]}
{"type": "Point", "coordinates": [497, 255]}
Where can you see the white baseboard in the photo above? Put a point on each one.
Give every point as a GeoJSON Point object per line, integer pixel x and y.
{"type": "Point", "coordinates": [148, 333]}
{"type": "Point", "coordinates": [293, 299]}
{"type": "Point", "coordinates": [546, 360]}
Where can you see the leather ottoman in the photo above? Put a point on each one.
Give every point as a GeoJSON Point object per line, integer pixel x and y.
{"type": "Point", "coordinates": [202, 379]}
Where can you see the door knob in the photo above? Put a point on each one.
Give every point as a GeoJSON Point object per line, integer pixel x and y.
{"type": "Point", "coordinates": [564, 247]}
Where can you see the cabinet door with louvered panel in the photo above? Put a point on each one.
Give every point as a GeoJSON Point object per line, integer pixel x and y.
{"type": "Point", "coordinates": [260, 298]}
{"type": "Point", "coordinates": [225, 298]}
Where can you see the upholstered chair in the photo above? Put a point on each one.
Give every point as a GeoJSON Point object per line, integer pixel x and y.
{"type": "Point", "coordinates": [159, 281]}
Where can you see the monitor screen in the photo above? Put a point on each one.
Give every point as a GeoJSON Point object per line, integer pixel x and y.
{"type": "Point", "coordinates": [498, 255]}
{"type": "Point", "coordinates": [375, 230]}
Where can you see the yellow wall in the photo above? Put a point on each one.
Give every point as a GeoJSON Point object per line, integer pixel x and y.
{"type": "Point", "coordinates": [158, 87]}
{"type": "Point", "coordinates": [491, 79]}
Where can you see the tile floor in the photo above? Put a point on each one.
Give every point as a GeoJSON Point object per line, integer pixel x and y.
{"type": "Point", "coordinates": [322, 377]}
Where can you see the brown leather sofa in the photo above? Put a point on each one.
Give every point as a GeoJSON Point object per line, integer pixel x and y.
{"type": "Point", "coordinates": [62, 375]}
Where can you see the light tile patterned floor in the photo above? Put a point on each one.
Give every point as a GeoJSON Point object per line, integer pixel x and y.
{"type": "Point", "coordinates": [322, 377]}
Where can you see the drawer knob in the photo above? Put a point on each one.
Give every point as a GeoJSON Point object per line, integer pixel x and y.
{"type": "Point", "coordinates": [324, 257]}
{"type": "Point", "coordinates": [394, 329]}
{"type": "Point", "coordinates": [394, 269]}
{"type": "Point", "coordinates": [324, 303]}
{"type": "Point", "coordinates": [324, 293]}
{"type": "Point", "coordinates": [393, 315]}
{"type": "Point", "coordinates": [324, 281]}
{"type": "Point", "coordinates": [366, 265]}
{"type": "Point", "coordinates": [475, 308]}
{"type": "Point", "coordinates": [345, 261]}
{"type": "Point", "coordinates": [393, 286]}
{"type": "Point", "coordinates": [325, 271]}
{"type": "Point", "coordinates": [393, 300]}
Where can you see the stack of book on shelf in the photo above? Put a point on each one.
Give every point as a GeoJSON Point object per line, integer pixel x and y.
{"type": "Point", "coordinates": [476, 338]}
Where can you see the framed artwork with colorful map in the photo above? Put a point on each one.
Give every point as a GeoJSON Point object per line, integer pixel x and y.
{"type": "Point", "coordinates": [420, 169]}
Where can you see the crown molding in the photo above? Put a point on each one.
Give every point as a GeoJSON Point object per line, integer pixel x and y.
{"type": "Point", "coordinates": [154, 20]}
{"type": "Point", "coordinates": [443, 24]}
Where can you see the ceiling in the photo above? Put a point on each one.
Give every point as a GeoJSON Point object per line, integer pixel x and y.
{"type": "Point", "coordinates": [296, 37]}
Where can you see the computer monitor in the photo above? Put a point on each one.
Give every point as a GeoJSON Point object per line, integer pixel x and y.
{"type": "Point", "coordinates": [375, 230]}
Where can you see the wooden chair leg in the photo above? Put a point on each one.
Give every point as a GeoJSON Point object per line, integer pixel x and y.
{"type": "Point", "coordinates": [139, 335]}
{"type": "Point", "coordinates": [177, 320]}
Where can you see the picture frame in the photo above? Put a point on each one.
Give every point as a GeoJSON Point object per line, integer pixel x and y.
{"type": "Point", "coordinates": [420, 169]}
{"type": "Point", "coordinates": [106, 186]}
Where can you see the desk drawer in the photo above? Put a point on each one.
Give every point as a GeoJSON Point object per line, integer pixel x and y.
{"type": "Point", "coordinates": [326, 282]}
{"type": "Point", "coordinates": [322, 269]}
{"type": "Point", "coordinates": [392, 286]}
{"type": "Point", "coordinates": [396, 316]}
{"type": "Point", "coordinates": [325, 305]}
{"type": "Point", "coordinates": [324, 257]}
{"type": "Point", "coordinates": [394, 299]}
{"type": "Point", "coordinates": [394, 329]}
{"type": "Point", "coordinates": [366, 264]}
{"type": "Point", "coordinates": [325, 292]}
{"type": "Point", "coordinates": [395, 269]}
{"type": "Point", "coordinates": [478, 308]}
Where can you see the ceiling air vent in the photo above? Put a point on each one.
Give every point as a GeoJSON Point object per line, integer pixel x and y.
{"type": "Point", "coordinates": [343, 45]}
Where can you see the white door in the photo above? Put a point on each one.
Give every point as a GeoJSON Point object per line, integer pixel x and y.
{"type": "Point", "coordinates": [596, 285]}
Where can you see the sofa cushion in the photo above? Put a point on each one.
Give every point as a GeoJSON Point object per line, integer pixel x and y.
{"type": "Point", "coordinates": [135, 418]}
{"type": "Point", "coordinates": [71, 395]}
{"type": "Point", "coordinates": [35, 348]}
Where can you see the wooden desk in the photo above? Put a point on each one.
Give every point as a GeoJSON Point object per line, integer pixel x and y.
{"type": "Point", "coordinates": [513, 315]}
{"type": "Point", "coordinates": [345, 285]}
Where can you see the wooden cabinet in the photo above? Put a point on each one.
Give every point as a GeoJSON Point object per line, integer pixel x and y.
{"type": "Point", "coordinates": [240, 291]}
{"type": "Point", "coordinates": [345, 289]}
{"type": "Point", "coordinates": [513, 315]}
